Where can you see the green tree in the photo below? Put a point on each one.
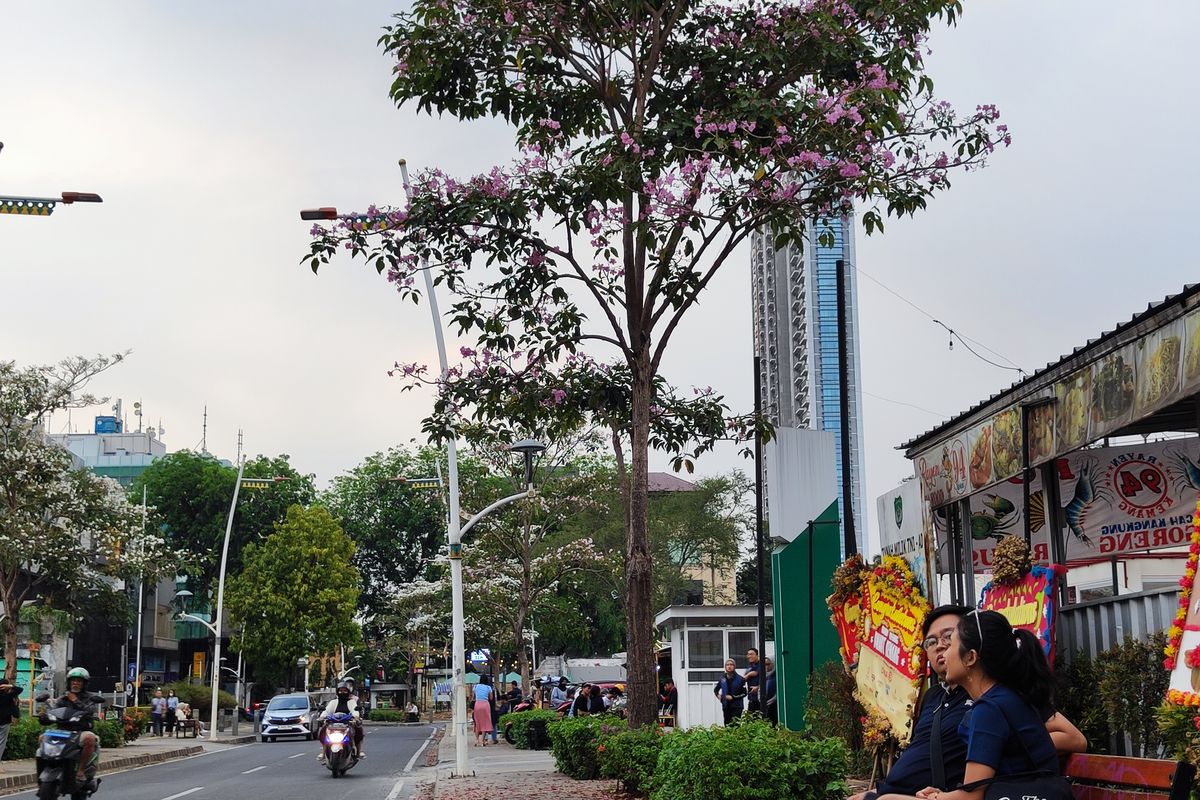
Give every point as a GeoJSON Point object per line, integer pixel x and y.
{"type": "Point", "coordinates": [65, 532]}
{"type": "Point", "coordinates": [297, 592]}
{"type": "Point", "coordinates": [191, 494]}
{"type": "Point", "coordinates": [656, 138]}
{"type": "Point", "coordinates": [396, 529]}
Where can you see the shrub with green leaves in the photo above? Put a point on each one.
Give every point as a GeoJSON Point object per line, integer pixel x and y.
{"type": "Point", "coordinates": [575, 742]}
{"type": "Point", "coordinates": [111, 733]}
{"type": "Point", "coordinates": [385, 715]}
{"type": "Point", "coordinates": [520, 721]}
{"type": "Point", "coordinates": [631, 756]}
{"type": "Point", "coordinates": [22, 738]}
{"type": "Point", "coordinates": [834, 711]}
{"type": "Point", "coordinates": [135, 722]}
{"type": "Point", "coordinates": [200, 697]}
{"type": "Point", "coordinates": [750, 761]}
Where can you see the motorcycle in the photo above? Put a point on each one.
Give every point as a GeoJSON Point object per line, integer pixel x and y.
{"type": "Point", "coordinates": [58, 754]}
{"type": "Point", "coordinates": [337, 739]}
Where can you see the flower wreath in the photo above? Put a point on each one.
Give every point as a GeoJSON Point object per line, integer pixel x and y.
{"type": "Point", "coordinates": [894, 579]}
{"type": "Point", "coordinates": [1175, 634]}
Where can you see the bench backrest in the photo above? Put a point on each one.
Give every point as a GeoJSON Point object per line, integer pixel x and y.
{"type": "Point", "coordinates": [1096, 777]}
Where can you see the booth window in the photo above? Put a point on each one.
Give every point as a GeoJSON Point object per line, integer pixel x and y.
{"type": "Point", "coordinates": [705, 649]}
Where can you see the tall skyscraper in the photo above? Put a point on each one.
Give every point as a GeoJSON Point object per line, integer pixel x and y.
{"type": "Point", "coordinates": [796, 335]}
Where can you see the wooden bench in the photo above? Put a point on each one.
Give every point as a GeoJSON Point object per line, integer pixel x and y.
{"type": "Point", "coordinates": [1096, 777]}
{"type": "Point", "coordinates": [183, 726]}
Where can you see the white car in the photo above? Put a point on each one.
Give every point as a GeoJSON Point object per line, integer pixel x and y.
{"type": "Point", "coordinates": [289, 715]}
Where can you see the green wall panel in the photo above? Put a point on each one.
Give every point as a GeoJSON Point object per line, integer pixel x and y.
{"type": "Point", "coordinates": [805, 639]}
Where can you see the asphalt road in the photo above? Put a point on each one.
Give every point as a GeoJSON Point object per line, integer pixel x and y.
{"type": "Point", "coordinates": [283, 770]}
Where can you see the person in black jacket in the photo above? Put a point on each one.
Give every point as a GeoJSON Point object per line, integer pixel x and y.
{"type": "Point", "coordinates": [10, 710]}
{"type": "Point", "coordinates": [596, 701]}
{"type": "Point", "coordinates": [731, 691]}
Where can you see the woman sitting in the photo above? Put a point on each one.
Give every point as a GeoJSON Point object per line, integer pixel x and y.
{"type": "Point", "coordinates": [1005, 673]}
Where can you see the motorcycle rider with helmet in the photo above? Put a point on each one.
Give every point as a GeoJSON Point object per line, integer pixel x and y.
{"type": "Point", "coordinates": [78, 698]}
{"type": "Point", "coordinates": [344, 703]}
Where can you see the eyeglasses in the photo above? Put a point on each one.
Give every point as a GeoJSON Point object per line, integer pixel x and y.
{"type": "Point", "coordinates": [934, 641]}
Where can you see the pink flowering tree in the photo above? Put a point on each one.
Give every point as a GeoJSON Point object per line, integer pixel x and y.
{"type": "Point", "coordinates": [655, 138]}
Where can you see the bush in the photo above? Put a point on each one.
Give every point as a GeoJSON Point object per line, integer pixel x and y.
{"type": "Point", "coordinates": [200, 697]}
{"type": "Point", "coordinates": [1078, 701]}
{"type": "Point", "coordinates": [22, 738]}
{"type": "Point", "coordinates": [135, 722]}
{"type": "Point", "coordinates": [111, 733]}
{"type": "Point", "coordinates": [520, 724]}
{"type": "Point", "coordinates": [386, 715]}
{"type": "Point", "coordinates": [1132, 684]}
{"type": "Point", "coordinates": [749, 761]}
{"type": "Point", "coordinates": [573, 741]}
{"type": "Point", "coordinates": [834, 711]}
{"type": "Point", "coordinates": [630, 757]}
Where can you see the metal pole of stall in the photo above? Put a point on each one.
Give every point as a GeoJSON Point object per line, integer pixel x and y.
{"type": "Point", "coordinates": [970, 595]}
{"type": "Point", "coordinates": [851, 540]}
{"type": "Point", "coordinates": [758, 508]}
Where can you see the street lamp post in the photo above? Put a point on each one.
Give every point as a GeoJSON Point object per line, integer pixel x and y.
{"type": "Point", "coordinates": [215, 626]}
{"type": "Point", "coordinates": [528, 448]}
{"type": "Point", "coordinates": [24, 206]}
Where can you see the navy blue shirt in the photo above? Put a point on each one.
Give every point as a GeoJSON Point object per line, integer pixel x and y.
{"type": "Point", "coordinates": [996, 727]}
{"type": "Point", "coordinates": [911, 772]}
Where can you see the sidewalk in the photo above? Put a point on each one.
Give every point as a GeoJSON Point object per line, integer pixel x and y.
{"type": "Point", "coordinates": [20, 773]}
{"type": "Point", "coordinates": [503, 772]}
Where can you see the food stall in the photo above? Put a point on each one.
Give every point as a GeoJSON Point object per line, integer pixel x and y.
{"type": "Point", "coordinates": [1094, 459]}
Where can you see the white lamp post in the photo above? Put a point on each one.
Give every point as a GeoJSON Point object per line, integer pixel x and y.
{"type": "Point", "coordinates": [528, 448]}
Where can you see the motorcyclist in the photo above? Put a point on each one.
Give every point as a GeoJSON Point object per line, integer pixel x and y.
{"type": "Point", "coordinates": [344, 703]}
{"type": "Point", "coordinates": [78, 698]}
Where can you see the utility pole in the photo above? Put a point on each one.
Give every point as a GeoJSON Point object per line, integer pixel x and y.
{"type": "Point", "coordinates": [758, 507]}
{"type": "Point", "coordinates": [851, 541]}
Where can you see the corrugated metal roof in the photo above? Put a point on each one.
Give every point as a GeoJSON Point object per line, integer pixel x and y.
{"type": "Point", "coordinates": [666, 482]}
{"type": "Point", "coordinates": [1151, 310]}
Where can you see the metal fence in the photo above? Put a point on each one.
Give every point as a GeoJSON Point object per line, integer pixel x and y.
{"type": "Point", "coordinates": [1098, 625]}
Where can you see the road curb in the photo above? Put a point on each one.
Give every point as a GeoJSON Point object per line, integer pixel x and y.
{"type": "Point", "coordinates": [109, 765]}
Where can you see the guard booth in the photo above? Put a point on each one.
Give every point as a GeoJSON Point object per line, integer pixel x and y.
{"type": "Point", "coordinates": [1095, 460]}
{"type": "Point", "coordinates": [698, 639]}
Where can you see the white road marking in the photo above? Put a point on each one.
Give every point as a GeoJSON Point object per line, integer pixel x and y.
{"type": "Point", "coordinates": [296, 756]}
{"type": "Point", "coordinates": [408, 767]}
{"type": "Point", "coordinates": [395, 792]}
{"type": "Point", "coordinates": [183, 794]}
{"type": "Point", "coordinates": [256, 769]}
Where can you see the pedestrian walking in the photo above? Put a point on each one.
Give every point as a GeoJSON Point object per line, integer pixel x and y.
{"type": "Point", "coordinates": [158, 711]}
{"type": "Point", "coordinates": [731, 691]}
{"type": "Point", "coordinates": [753, 679]}
{"type": "Point", "coordinates": [482, 713]}
{"type": "Point", "coordinates": [10, 710]}
{"type": "Point", "coordinates": [171, 715]}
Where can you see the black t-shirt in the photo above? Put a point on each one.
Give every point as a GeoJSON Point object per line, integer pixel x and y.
{"type": "Point", "coordinates": [581, 705]}
{"type": "Point", "coordinates": [343, 705]}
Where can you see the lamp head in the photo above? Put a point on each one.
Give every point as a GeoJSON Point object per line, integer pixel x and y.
{"type": "Point", "coordinates": [530, 447]}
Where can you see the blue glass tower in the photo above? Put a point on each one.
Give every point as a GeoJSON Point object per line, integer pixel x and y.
{"type": "Point", "coordinates": [796, 335]}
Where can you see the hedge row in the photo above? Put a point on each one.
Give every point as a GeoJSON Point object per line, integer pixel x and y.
{"type": "Point", "coordinates": [23, 736]}
{"type": "Point", "coordinates": [742, 762]}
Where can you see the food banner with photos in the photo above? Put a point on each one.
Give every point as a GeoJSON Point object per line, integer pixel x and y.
{"type": "Point", "coordinates": [1028, 603]}
{"type": "Point", "coordinates": [1115, 500]}
{"type": "Point", "coordinates": [888, 660]}
{"type": "Point", "coordinates": [1098, 399]}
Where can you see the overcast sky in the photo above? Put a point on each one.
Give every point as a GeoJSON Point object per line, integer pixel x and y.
{"type": "Point", "coordinates": [207, 126]}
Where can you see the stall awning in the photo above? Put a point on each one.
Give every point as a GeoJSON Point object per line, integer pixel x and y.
{"type": "Point", "coordinates": [1141, 377]}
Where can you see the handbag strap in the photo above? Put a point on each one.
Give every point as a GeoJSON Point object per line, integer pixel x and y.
{"type": "Point", "coordinates": [937, 767]}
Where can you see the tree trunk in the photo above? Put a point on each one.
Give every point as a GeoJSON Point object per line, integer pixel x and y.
{"type": "Point", "coordinates": [12, 614]}
{"type": "Point", "coordinates": [640, 659]}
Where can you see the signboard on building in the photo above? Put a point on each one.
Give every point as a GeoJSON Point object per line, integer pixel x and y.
{"type": "Point", "coordinates": [1115, 500]}
{"type": "Point", "coordinates": [904, 529]}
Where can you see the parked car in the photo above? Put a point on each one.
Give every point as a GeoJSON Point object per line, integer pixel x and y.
{"type": "Point", "coordinates": [290, 715]}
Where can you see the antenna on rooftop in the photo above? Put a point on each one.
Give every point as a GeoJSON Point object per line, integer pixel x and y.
{"type": "Point", "coordinates": [204, 434]}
